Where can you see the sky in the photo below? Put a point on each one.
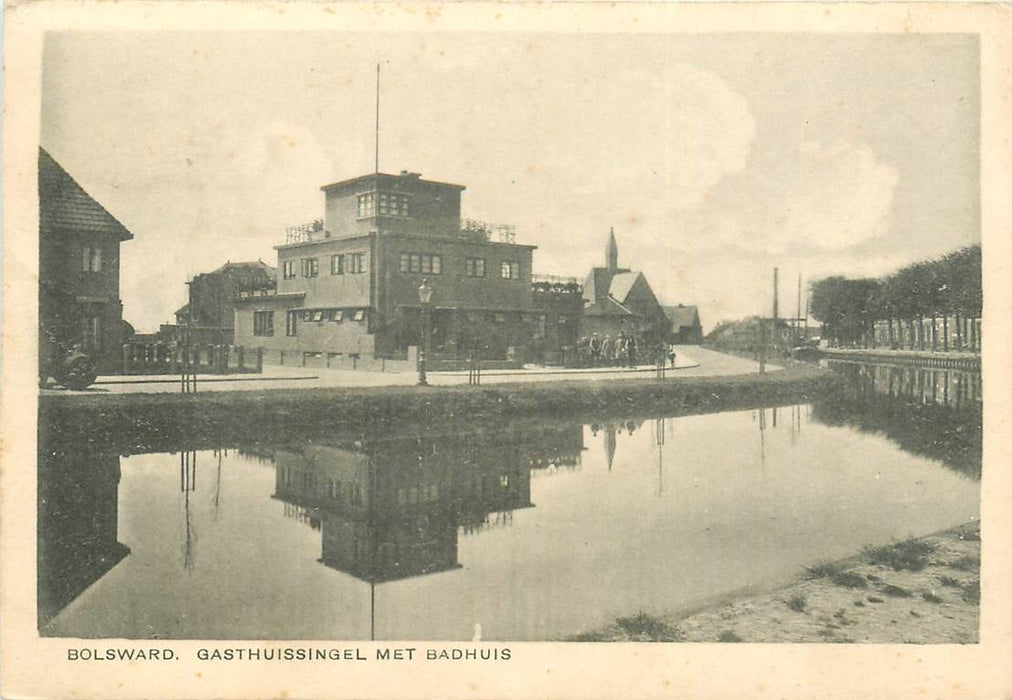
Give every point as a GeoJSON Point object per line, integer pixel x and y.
{"type": "Point", "coordinates": [715, 157]}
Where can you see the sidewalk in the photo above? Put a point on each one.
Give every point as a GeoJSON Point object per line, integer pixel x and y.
{"type": "Point", "coordinates": [691, 361]}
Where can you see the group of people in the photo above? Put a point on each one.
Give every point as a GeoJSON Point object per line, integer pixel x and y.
{"type": "Point", "coordinates": [624, 350]}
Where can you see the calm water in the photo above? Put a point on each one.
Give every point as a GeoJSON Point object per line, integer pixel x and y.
{"type": "Point", "coordinates": [533, 533]}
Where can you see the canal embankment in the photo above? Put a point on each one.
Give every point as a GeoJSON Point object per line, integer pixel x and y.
{"type": "Point", "coordinates": [967, 361]}
{"type": "Point", "coordinates": [149, 422]}
{"type": "Point", "coordinates": [919, 591]}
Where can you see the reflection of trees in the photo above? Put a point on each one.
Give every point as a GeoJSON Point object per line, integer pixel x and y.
{"type": "Point", "coordinates": [898, 403]}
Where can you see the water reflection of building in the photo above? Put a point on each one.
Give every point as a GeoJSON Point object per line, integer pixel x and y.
{"type": "Point", "coordinates": [934, 413]}
{"type": "Point", "coordinates": [77, 525]}
{"type": "Point", "coordinates": [611, 432]}
{"type": "Point", "coordinates": [391, 509]}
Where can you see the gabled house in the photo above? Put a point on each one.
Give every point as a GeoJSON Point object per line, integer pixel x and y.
{"type": "Point", "coordinates": [79, 264]}
{"type": "Point", "coordinates": [619, 299]}
{"type": "Point", "coordinates": [685, 326]}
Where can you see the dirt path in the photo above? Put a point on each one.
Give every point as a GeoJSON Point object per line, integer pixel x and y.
{"type": "Point", "coordinates": [924, 591]}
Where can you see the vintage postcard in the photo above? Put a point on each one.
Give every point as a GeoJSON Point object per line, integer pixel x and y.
{"type": "Point", "coordinates": [506, 350]}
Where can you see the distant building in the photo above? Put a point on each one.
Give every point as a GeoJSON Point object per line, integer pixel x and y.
{"type": "Point", "coordinates": [685, 326]}
{"type": "Point", "coordinates": [349, 286]}
{"type": "Point", "coordinates": [210, 310]}
{"type": "Point", "coordinates": [618, 299]}
{"type": "Point", "coordinates": [79, 266]}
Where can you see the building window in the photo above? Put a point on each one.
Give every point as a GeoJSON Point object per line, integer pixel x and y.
{"type": "Point", "coordinates": [263, 323]}
{"type": "Point", "coordinates": [366, 204]}
{"type": "Point", "coordinates": [423, 263]}
{"type": "Point", "coordinates": [92, 259]}
{"type": "Point", "coordinates": [288, 269]}
{"type": "Point", "coordinates": [509, 270]}
{"type": "Point", "coordinates": [337, 264]}
{"type": "Point", "coordinates": [336, 315]}
{"type": "Point", "coordinates": [541, 326]}
{"type": "Point", "coordinates": [359, 315]}
{"type": "Point", "coordinates": [310, 267]}
{"type": "Point", "coordinates": [393, 204]}
{"type": "Point", "coordinates": [292, 323]}
{"type": "Point", "coordinates": [475, 267]}
{"type": "Point", "coordinates": [356, 263]}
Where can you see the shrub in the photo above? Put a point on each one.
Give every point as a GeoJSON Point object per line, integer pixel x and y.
{"type": "Point", "coordinates": [647, 628]}
{"type": "Point", "coordinates": [971, 592]}
{"type": "Point", "coordinates": [896, 591]}
{"type": "Point", "coordinates": [911, 555]}
{"type": "Point", "coordinates": [949, 582]}
{"type": "Point", "coordinates": [849, 579]}
{"type": "Point", "coordinates": [968, 563]}
{"type": "Point", "coordinates": [822, 569]}
{"type": "Point", "coordinates": [931, 597]}
{"type": "Point", "coordinates": [729, 636]}
{"type": "Point", "coordinates": [797, 603]}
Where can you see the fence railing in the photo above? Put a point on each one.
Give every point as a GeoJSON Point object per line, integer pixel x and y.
{"type": "Point", "coordinates": [204, 358]}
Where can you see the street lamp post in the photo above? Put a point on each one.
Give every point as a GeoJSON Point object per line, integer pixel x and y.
{"type": "Point", "coordinates": [425, 298]}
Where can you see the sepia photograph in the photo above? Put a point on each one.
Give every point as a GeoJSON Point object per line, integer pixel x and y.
{"type": "Point", "coordinates": [423, 345]}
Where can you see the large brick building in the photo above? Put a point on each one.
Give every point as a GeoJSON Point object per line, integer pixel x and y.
{"type": "Point", "coordinates": [210, 309]}
{"type": "Point", "coordinates": [79, 264]}
{"type": "Point", "coordinates": [349, 285]}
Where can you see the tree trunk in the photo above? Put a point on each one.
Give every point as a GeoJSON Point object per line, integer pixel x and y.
{"type": "Point", "coordinates": [945, 332]}
{"type": "Point", "coordinates": [920, 326]}
{"type": "Point", "coordinates": [959, 333]}
{"type": "Point", "coordinates": [934, 333]}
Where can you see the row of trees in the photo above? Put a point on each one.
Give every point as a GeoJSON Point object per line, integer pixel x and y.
{"type": "Point", "coordinates": [942, 289]}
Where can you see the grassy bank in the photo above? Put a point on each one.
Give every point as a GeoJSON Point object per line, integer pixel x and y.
{"type": "Point", "coordinates": [146, 422]}
{"type": "Point", "coordinates": [923, 591]}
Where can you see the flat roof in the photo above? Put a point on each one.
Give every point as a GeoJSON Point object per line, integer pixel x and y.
{"type": "Point", "coordinates": [406, 177]}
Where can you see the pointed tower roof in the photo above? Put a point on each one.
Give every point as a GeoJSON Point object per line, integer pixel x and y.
{"type": "Point", "coordinates": [611, 251]}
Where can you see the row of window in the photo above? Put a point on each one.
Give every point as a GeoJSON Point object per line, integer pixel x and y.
{"type": "Point", "coordinates": [340, 264]}
{"type": "Point", "coordinates": [410, 263]}
{"type": "Point", "coordinates": [263, 321]}
{"type": "Point", "coordinates": [428, 264]}
{"type": "Point", "coordinates": [386, 204]}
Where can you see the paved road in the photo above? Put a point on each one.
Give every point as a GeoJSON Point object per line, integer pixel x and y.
{"type": "Point", "coordinates": [692, 361]}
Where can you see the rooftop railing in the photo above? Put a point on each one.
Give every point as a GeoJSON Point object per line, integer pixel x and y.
{"type": "Point", "coordinates": [303, 233]}
{"type": "Point", "coordinates": [486, 231]}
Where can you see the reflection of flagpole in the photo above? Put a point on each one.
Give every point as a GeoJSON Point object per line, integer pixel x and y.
{"type": "Point", "coordinates": [762, 439]}
{"type": "Point", "coordinates": [659, 431]}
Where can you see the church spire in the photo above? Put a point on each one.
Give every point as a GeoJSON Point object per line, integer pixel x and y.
{"type": "Point", "coordinates": [611, 252]}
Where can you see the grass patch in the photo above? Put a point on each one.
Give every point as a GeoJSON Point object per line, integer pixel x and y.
{"type": "Point", "coordinates": [896, 591]}
{"type": "Point", "coordinates": [849, 579]}
{"type": "Point", "coordinates": [967, 563]}
{"type": "Point", "coordinates": [949, 582]}
{"type": "Point", "coordinates": [823, 569]}
{"type": "Point", "coordinates": [971, 592]}
{"type": "Point", "coordinates": [911, 555]}
{"type": "Point", "coordinates": [797, 603]}
{"type": "Point", "coordinates": [729, 636]}
{"type": "Point", "coordinates": [930, 597]}
{"type": "Point", "coordinates": [858, 603]}
{"type": "Point", "coordinates": [642, 627]}
{"type": "Point", "coordinates": [875, 599]}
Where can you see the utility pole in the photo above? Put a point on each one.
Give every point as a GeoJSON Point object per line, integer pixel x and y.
{"type": "Point", "coordinates": [797, 315]}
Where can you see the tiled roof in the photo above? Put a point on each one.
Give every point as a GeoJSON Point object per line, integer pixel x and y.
{"type": "Point", "coordinates": [251, 265]}
{"type": "Point", "coordinates": [608, 307]}
{"type": "Point", "coordinates": [622, 284]}
{"type": "Point", "coordinates": [65, 206]}
{"type": "Point", "coordinates": [682, 315]}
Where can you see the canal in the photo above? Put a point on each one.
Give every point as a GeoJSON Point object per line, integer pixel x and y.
{"type": "Point", "coordinates": [528, 532]}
